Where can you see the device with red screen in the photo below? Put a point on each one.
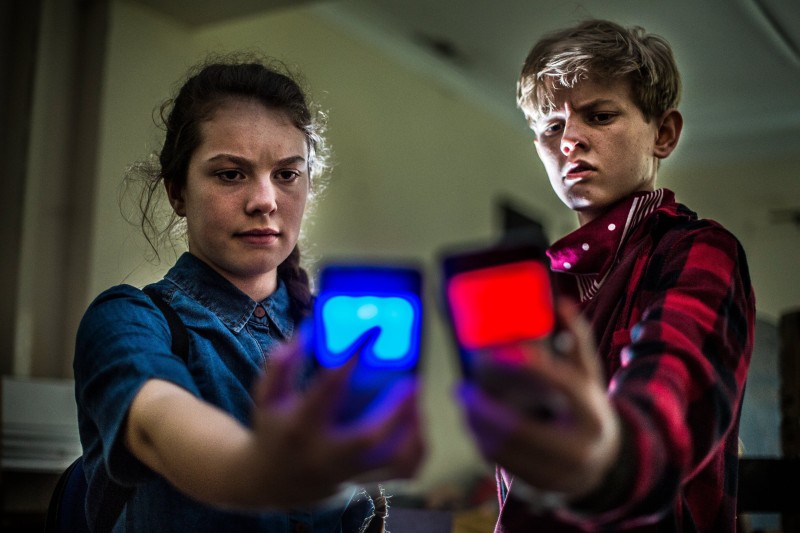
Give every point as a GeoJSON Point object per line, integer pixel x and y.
{"type": "Point", "coordinates": [497, 299]}
{"type": "Point", "coordinates": [495, 296]}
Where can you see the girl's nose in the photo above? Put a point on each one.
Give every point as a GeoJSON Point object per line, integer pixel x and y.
{"type": "Point", "coordinates": [263, 199]}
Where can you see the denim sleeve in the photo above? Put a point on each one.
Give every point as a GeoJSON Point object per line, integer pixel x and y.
{"type": "Point", "coordinates": [122, 341]}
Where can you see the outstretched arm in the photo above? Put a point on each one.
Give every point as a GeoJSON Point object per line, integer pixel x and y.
{"type": "Point", "coordinates": [295, 454]}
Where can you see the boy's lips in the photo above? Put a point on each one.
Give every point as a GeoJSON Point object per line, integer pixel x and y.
{"type": "Point", "coordinates": [578, 170]}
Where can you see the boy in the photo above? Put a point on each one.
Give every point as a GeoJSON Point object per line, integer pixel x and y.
{"type": "Point", "coordinates": [662, 326]}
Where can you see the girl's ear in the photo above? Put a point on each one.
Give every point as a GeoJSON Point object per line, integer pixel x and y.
{"type": "Point", "coordinates": [175, 195]}
{"type": "Point", "coordinates": [669, 132]}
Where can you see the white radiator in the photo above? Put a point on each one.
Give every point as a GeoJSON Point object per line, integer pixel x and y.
{"type": "Point", "coordinates": [40, 424]}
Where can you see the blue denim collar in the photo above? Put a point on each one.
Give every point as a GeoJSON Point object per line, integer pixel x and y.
{"type": "Point", "coordinates": [233, 307]}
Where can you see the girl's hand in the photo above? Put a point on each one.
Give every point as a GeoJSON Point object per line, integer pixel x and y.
{"type": "Point", "coordinates": [307, 454]}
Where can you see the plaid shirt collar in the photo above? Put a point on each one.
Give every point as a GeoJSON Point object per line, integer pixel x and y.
{"type": "Point", "coordinates": [590, 251]}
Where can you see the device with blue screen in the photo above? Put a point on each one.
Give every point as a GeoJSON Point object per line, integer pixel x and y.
{"type": "Point", "coordinates": [374, 313]}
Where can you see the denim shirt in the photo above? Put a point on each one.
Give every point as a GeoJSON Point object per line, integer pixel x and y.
{"type": "Point", "coordinates": [124, 340]}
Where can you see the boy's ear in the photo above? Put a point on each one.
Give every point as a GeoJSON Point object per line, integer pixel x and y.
{"type": "Point", "coordinates": [669, 132]}
{"type": "Point", "coordinates": [175, 195]}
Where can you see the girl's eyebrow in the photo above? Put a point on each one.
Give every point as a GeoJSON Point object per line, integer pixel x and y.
{"type": "Point", "coordinates": [293, 160]}
{"type": "Point", "coordinates": [236, 159]}
{"type": "Point", "coordinates": [243, 161]}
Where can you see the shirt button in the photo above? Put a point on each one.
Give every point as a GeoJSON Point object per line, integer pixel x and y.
{"type": "Point", "coordinates": [612, 227]}
{"type": "Point", "coordinates": [585, 246]}
{"type": "Point", "coordinates": [260, 312]}
{"type": "Point", "coordinates": [567, 265]}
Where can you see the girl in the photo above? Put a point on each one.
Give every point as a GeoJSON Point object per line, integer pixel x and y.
{"type": "Point", "coordinates": [182, 444]}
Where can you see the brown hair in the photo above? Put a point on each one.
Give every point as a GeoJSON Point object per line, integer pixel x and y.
{"type": "Point", "coordinates": [603, 51]}
{"type": "Point", "coordinates": [207, 86]}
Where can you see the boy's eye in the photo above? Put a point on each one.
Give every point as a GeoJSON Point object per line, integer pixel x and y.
{"type": "Point", "coordinates": [551, 128]}
{"type": "Point", "coordinates": [230, 175]}
{"type": "Point", "coordinates": [602, 117]}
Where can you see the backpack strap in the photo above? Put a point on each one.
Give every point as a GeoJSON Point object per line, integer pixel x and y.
{"type": "Point", "coordinates": [180, 346]}
{"type": "Point", "coordinates": [180, 337]}
{"type": "Point", "coordinates": [66, 511]}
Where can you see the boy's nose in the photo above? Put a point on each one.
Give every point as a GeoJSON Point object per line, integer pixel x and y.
{"type": "Point", "coordinates": [572, 138]}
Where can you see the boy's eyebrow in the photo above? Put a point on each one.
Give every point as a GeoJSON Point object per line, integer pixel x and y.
{"type": "Point", "coordinates": [597, 102]}
{"type": "Point", "coordinates": [589, 104]}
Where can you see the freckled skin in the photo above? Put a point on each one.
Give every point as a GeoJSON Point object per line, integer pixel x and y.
{"type": "Point", "coordinates": [597, 147]}
{"type": "Point", "coordinates": [250, 173]}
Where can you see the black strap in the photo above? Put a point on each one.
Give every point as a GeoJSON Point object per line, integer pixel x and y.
{"type": "Point", "coordinates": [180, 338]}
{"type": "Point", "coordinates": [66, 511]}
{"type": "Point", "coordinates": [180, 347]}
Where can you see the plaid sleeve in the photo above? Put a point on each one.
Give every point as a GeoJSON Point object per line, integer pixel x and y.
{"type": "Point", "coordinates": [681, 378]}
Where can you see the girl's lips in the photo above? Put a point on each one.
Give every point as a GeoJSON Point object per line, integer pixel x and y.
{"type": "Point", "coordinates": [259, 237]}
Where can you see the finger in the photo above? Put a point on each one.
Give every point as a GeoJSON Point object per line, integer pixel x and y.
{"type": "Point", "coordinates": [505, 438]}
{"type": "Point", "coordinates": [491, 422]}
{"type": "Point", "coordinates": [281, 372]}
{"type": "Point", "coordinates": [330, 387]}
{"type": "Point", "coordinates": [388, 422]}
{"type": "Point", "coordinates": [401, 460]}
{"type": "Point", "coordinates": [355, 447]}
{"type": "Point", "coordinates": [395, 447]}
{"type": "Point", "coordinates": [387, 411]}
{"type": "Point", "coordinates": [324, 396]}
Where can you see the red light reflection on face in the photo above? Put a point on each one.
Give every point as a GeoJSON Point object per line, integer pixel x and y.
{"type": "Point", "coordinates": [501, 304]}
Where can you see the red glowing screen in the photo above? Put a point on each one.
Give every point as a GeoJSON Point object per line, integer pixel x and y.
{"type": "Point", "coordinates": [501, 304]}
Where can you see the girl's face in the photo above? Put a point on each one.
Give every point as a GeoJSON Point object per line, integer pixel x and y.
{"type": "Point", "coordinates": [245, 194]}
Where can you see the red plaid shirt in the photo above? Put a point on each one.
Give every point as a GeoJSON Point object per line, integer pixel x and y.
{"type": "Point", "coordinates": [670, 300]}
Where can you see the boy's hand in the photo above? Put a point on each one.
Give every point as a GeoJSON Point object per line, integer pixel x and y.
{"type": "Point", "coordinates": [569, 453]}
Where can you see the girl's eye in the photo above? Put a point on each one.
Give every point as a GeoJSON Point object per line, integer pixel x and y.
{"type": "Point", "coordinates": [287, 175]}
{"type": "Point", "coordinates": [230, 175]}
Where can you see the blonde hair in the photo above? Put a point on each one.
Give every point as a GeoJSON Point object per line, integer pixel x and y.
{"type": "Point", "coordinates": [602, 51]}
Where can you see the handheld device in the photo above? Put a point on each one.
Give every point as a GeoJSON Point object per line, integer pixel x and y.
{"type": "Point", "coordinates": [497, 298]}
{"type": "Point", "coordinates": [373, 313]}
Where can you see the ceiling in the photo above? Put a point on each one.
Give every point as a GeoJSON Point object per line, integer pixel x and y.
{"type": "Point", "coordinates": [740, 59]}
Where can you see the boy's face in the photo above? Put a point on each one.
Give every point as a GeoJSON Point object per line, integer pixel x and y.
{"type": "Point", "coordinates": [597, 147]}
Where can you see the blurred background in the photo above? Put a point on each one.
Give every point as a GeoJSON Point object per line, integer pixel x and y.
{"type": "Point", "coordinates": [427, 145]}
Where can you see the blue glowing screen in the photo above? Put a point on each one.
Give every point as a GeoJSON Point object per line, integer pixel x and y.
{"type": "Point", "coordinates": [376, 310]}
